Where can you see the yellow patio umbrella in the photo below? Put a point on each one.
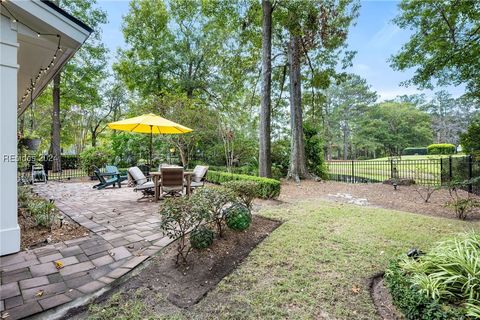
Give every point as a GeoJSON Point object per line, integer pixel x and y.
{"type": "Point", "coordinates": [149, 123]}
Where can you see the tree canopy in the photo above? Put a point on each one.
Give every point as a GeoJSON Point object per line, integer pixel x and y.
{"type": "Point", "coordinates": [445, 44]}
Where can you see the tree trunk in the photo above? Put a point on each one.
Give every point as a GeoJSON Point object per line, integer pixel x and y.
{"type": "Point", "coordinates": [94, 138]}
{"type": "Point", "coordinates": [345, 143]}
{"type": "Point", "coordinates": [55, 149]}
{"type": "Point", "coordinates": [265, 157]}
{"type": "Point", "coordinates": [21, 127]}
{"type": "Point", "coordinates": [298, 168]}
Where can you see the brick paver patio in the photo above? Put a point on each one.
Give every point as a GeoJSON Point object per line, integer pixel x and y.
{"type": "Point", "coordinates": [124, 232]}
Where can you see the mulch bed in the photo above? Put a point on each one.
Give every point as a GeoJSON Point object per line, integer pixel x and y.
{"type": "Point", "coordinates": [184, 286]}
{"type": "Point", "coordinates": [405, 198]}
{"type": "Point", "coordinates": [32, 236]}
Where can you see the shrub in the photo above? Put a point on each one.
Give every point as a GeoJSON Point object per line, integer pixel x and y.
{"type": "Point", "coordinates": [441, 148]}
{"type": "Point", "coordinates": [213, 200]}
{"type": "Point", "coordinates": [414, 305]}
{"type": "Point", "coordinates": [462, 202]}
{"type": "Point", "coordinates": [267, 189]}
{"type": "Point", "coordinates": [24, 194]}
{"type": "Point", "coordinates": [414, 151]}
{"type": "Point", "coordinates": [442, 284]}
{"type": "Point", "coordinates": [201, 238]}
{"type": "Point", "coordinates": [179, 216]}
{"type": "Point", "coordinates": [42, 212]}
{"type": "Point", "coordinates": [280, 157]}
{"type": "Point", "coordinates": [463, 207]}
{"type": "Point", "coordinates": [238, 217]}
{"type": "Point", "coordinates": [68, 162]}
{"type": "Point", "coordinates": [470, 140]}
{"type": "Point", "coordinates": [94, 157]}
{"type": "Point", "coordinates": [314, 150]}
{"type": "Point", "coordinates": [246, 190]}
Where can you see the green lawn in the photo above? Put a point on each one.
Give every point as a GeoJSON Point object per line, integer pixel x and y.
{"type": "Point", "coordinates": [314, 266]}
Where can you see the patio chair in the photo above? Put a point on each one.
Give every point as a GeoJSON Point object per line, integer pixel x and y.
{"type": "Point", "coordinates": [172, 181]}
{"type": "Point", "coordinates": [103, 183]}
{"type": "Point", "coordinates": [167, 165]}
{"type": "Point", "coordinates": [141, 183]}
{"type": "Point", "coordinates": [198, 177]}
{"type": "Point", "coordinates": [114, 170]}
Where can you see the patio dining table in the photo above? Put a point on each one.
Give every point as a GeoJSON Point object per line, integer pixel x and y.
{"type": "Point", "coordinates": [157, 175]}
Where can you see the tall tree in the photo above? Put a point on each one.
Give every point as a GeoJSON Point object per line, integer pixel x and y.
{"type": "Point", "coordinates": [396, 126]}
{"type": "Point", "coordinates": [298, 165]}
{"type": "Point", "coordinates": [265, 156]}
{"type": "Point", "coordinates": [346, 102]}
{"type": "Point", "coordinates": [445, 44]}
{"type": "Point", "coordinates": [89, 13]}
{"type": "Point", "coordinates": [192, 49]}
{"type": "Point", "coordinates": [318, 28]}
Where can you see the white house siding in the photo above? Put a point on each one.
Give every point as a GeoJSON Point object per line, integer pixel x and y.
{"type": "Point", "coordinates": [9, 230]}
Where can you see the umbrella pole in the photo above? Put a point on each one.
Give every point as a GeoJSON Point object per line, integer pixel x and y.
{"type": "Point", "coordinates": [151, 134]}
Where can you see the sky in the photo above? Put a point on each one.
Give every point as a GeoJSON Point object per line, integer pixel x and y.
{"type": "Point", "coordinates": [374, 37]}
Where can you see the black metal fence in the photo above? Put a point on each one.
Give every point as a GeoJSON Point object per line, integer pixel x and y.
{"type": "Point", "coordinates": [462, 169]}
{"type": "Point", "coordinates": [424, 171]}
{"type": "Point", "coordinates": [70, 168]}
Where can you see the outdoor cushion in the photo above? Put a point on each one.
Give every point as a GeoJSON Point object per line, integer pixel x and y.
{"type": "Point", "coordinates": [194, 184]}
{"type": "Point", "coordinates": [137, 175]}
{"type": "Point", "coordinates": [199, 173]}
{"type": "Point", "coordinates": [146, 185]}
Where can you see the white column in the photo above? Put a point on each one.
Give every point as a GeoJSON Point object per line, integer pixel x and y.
{"type": "Point", "coordinates": [9, 230]}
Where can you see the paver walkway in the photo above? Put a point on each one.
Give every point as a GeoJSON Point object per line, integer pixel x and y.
{"type": "Point", "coordinates": [124, 233]}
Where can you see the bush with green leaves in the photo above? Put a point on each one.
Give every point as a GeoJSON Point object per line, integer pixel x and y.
{"type": "Point", "coordinates": [246, 191]}
{"type": "Point", "coordinates": [267, 188]}
{"type": "Point", "coordinates": [180, 216]}
{"type": "Point", "coordinates": [214, 199]}
{"type": "Point", "coordinates": [443, 284]}
{"type": "Point", "coordinates": [463, 203]}
{"type": "Point", "coordinates": [314, 150]}
{"type": "Point", "coordinates": [470, 140]}
{"type": "Point", "coordinates": [95, 157]}
{"type": "Point", "coordinates": [201, 238]}
{"type": "Point", "coordinates": [441, 148]}
{"type": "Point", "coordinates": [238, 217]}
{"type": "Point", "coordinates": [23, 195]}
{"type": "Point", "coordinates": [42, 212]}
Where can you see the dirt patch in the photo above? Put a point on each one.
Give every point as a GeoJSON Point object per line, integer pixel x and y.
{"type": "Point", "coordinates": [405, 198]}
{"type": "Point", "coordinates": [183, 287]}
{"type": "Point", "coordinates": [383, 300]}
{"type": "Point", "coordinates": [32, 236]}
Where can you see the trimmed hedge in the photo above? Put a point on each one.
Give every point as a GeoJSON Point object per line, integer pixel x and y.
{"type": "Point", "coordinates": [422, 151]}
{"type": "Point", "coordinates": [68, 162]}
{"type": "Point", "coordinates": [441, 148]}
{"type": "Point", "coordinates": [267, 188]}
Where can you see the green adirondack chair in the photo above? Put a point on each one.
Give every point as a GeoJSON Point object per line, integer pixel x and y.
{"type": "Point", "coordinates": [103, 183]}
{"type": "Point", "coordinates": [114, 171]}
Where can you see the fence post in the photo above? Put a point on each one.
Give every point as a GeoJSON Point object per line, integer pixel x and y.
{"type": "Point", "coordinates": [391, 168]}
{"type": "Point", "coordinates": [353, 171]}
{"type": "Point", "coordinates": [470, 173]}
{"type": "Point", "coordinates": [450, 168]}
{"type": "Point", "coordinates": [441, 171]}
